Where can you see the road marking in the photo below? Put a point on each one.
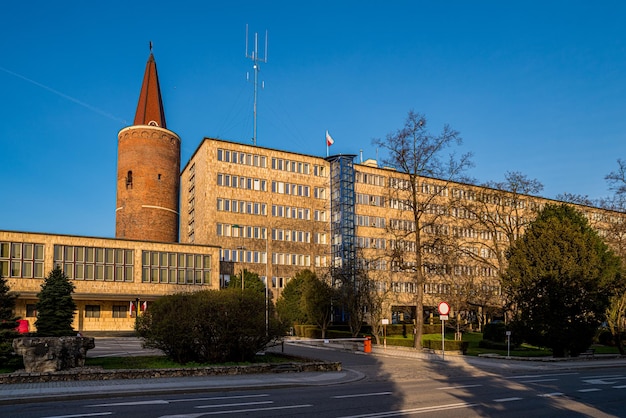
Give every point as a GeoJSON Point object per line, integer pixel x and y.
{"type": "Point", "coordinates": [228, 405]}
{"type": "Point", "coordinates": [358, 395]}
{"type": "Point", "coordinates": [97, 414]}
{"type": "Point", "coordinates": [507, 399]}
{"type": "Point", "coordinates": [534, 376]}
{"type": "Point", "coordinates": [459, 387]}
{"type": "Point", "coordinates": [218, 398]}
{"type": "Point", "coordinates": [414, 410]}
{"type": "Point", "coordinates": [136, 403]}
{"type": "Point", "coordinates": [619, 387]}
{"type": "Point", "coordinates": [599, 381]}
{"type": "Point", "coordinates": [550, 395]}
{"type": "Point", "coordinates": [589, 390]}
{"type": "Point", "coordinates": [241, 411]}
{"type": "Point", "coordinates": [539, 380]}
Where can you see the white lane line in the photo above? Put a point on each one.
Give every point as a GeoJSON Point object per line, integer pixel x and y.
{"type": "Point", "coordinates": [507, 399]}
{"type": "Point", "coordinates": [459, 387]}
{"type": "Point", "coordinates": [97, 414]}
{"type": "Point", "coordinates": [589, 390]}
{"type": "Point", "coordinates": [550, 395]}
{"type": "Point", "coordinates": [135, 403]}
{"type": "Point", "coordinates": [359, 395]}
{"type": "Point", "coordinates": [241, 411]}
{"type": "Point", "coordinates": [228, 405]}
{"type": "Point", "coordinates": [619, 387]}
{"type": "Point", "coordinates": [422, 410]}
{"type": "Point", "coordinates": [219, 398]}
{"type": "Point", "coordinates": [534, 376]}
{"type": "Point", "coordinates": [538, 381]}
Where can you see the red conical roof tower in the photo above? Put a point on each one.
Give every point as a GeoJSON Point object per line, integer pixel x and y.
{"type": "Point", "coordinates": [148, 169]}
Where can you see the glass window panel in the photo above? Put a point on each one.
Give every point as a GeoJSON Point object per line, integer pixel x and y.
{"type": "Point", "coordinates": [154, 275]}
{"type": "Point", "coordinates": [129, 256]}
{"type": "Point", "coordinates": [119, 256]}
{"type": "Point", "coordinates": [69, 270]}
{"type": "Point", "coordinates": [119, 273]}
{"type": "Point", "coordinates": [89, 255]}
{"type": "Point", "coordinates": [207, 277]}
{"type": "Point", "coordinates": [145, 274]}
{"type": "Point", "coordinates": [16, 250]}
{"type": "Point", "coordinates": [207, 262]}
{"type": "Point", "coordinates": [164, 275]}
{"type": "Point", "coordinates": [28, 252]}
{"type": "Point", "coordinates": [172, 261]}
{"type": "Point", "coordinates": [58, 253]}
{"type": "Point", "coordinates": [172, 275]}
{"type": "Point", "coordinates": [198, 274]}
{"type": "Point", "coordinates": [190, 260]}
{"type": "Point", "coordinates": [99, 255]}
{"type": "Point", "coordinates": [108, 273]}
{"type": "Point", "coordinates": [154, 259]}
{"type": "Point", "coordinates": [4, 250]}
{"type": "Point", "coordinates": [109, 256]}
{"type": "Point", "coordinates": [69, 253]}
{"type": "Point", "coordinates": [80, 271]}
{"type": "Point", "coordinates": [181, 260]}
{"type": "Point", "coordinates": [163, 262]}
{"type": "Point", "coordinates": [27, 269]}
{"type": "Point", "coordinates": [89, 272]}
{"type": "Point", "coordinates": [16, 269]}
{"type": "Point", "coordinates": [198, 264]}
{"type": "Point", "coordinates": [99, 272]}
{"type": "Point", "coordinates": [128, 274]}
{"type": "Point", "coordinates": [189, 276]}
{"type": "Point", "coordinates": [38, 270]}
{"type": "Point", "coordinates": [181, 276]}
{"type": "Point", "coordinates": [80, 254]}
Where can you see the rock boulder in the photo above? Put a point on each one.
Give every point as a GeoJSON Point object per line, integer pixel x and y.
{"type": "Point", "coordinates": [50, 354]}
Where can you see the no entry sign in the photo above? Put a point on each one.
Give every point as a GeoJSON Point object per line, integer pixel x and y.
{"type": "Point", "coordinates": [444, 308]}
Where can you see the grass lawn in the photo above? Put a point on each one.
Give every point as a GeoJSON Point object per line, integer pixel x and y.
{"type": "Point", "coordinates": [162, 362]}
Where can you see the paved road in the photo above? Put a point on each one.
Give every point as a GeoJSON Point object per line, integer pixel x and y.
{"type": "Point", "coordinates": [389, 383]}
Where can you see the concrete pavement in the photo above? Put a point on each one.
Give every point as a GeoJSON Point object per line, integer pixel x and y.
{"type": "Point", "coordinates": [30, 392]}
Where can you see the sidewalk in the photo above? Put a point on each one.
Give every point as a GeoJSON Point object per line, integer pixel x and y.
{"type": "Point", "coordinates": [59, 390]}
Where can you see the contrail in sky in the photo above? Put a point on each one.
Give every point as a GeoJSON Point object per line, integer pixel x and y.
{"type": "Point", "coordinates": [65, 96]}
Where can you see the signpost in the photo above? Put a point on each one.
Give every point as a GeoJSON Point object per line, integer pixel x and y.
{"type": "Point", "coordinates": [385, 322]}
{"type": "Point", "coordinates": [444, 310]}
{"type": "Point", "coordinates": [508, 344]}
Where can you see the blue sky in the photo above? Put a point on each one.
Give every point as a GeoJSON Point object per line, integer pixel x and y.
{"type": "Point", "coordinates": [536, 87]}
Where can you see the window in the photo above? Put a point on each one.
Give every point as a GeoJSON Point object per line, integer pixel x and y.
{"type": "Point", "coordinates": [90, 263]}
{"type": "Point", "coordinates": [92, 311]}
{"type": "Point", "coordinates": [120, 311]}
{"type": "Point", "coordinates": [23, 260]}
{"type": "Point", "coordinates": [31, 310]}
{"type": "Point", "coordinates": [181, 268]}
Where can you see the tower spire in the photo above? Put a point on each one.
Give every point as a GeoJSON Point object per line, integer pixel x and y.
{"type": "Point", "coordinates": [150, 106]}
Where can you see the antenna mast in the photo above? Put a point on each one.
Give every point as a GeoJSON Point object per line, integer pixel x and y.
{"type": "Point", "coordinates": [254, 56]}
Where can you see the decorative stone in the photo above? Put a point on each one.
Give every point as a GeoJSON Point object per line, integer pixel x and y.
{"type": "Point", "coordinates": [51, 354]}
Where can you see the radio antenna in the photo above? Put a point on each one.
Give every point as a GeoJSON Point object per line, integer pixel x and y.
{"type": "Point", "coordinates": [254, 56]}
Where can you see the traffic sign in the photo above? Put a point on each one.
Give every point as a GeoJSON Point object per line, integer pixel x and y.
{"type": "Point", "coordinates": [444, 308]}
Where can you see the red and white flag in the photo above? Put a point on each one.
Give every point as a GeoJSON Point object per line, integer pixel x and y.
{"type": "Point", "coordinates": [132, 308]}
{"type": "Point", "coordinates": [329, 139]}
{"type": "Point", "coordinates": [144, 305]}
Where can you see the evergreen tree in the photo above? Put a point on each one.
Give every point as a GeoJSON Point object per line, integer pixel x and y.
{"type": "Point", "coordinates": [289, 305]}
{"type": "Point", "coordinates": [55, 308]}
{"type": "Point", "coordinates": [8, 322]}
{"type": "Point", "coordinates": [560, 279]}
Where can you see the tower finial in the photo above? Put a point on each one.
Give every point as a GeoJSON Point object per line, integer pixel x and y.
{"type": "Point", "coordinates": [151, 47]}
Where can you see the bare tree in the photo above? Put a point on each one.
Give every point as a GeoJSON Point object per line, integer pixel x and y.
{"type": "Point", "coordinates": [421, 157]}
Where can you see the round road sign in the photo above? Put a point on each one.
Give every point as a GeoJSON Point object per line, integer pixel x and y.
{"type": "Point", "coordinates": [444, 308]}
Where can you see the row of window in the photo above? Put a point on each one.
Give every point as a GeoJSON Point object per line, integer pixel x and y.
{"type": "Point", "coordinates": [367, 242]}
{"type": "Point", "coordinates": [241, 206]}
{"type": "Point", "coordinates": [281, 187]}
{"type": "Point", "coordinates": [292, 212]}
{"type": "Point", "coordinates": [367, 178]}
{"type": "Point", "coordinates": [23, 260]}
{"type": "Point", "coordinates": [291, 166]}
{"type": "Point", "coordinates": [175, 268]}
{"type": "Point", "coordinates": [241, 255]}
{"type": "Point", "coordinates": [241, 231]}
{"type": "Point", "coordinates": [241, 158]}
{"type": "Point", "coordinates": [291, 235]}
{"type": "Point", "coordinates": [371, 221]}
{"type": "Point", "coordinates": [95, 263]}
{"type": "Point", "coordinates": [241, 182]}
{"type": "Point", "coordinates": [91, 311]}
{"type": "Point", "coordinates": [371, 200]}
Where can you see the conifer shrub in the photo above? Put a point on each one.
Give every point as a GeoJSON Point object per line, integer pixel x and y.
{"type": "Point", "coordinates": [55, 307]}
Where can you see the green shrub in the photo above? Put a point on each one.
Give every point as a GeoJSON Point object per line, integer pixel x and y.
{"type": "Point", "coordinates": [495, 332]}
{"type": "Point", "coordinates": [449, 345]}
{"type": "Point", "coordinates": [210, 326]}
{"type": "Point", "coordinates": [55, 307]}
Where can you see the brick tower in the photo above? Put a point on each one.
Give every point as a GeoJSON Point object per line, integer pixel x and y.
{"type": "Point", "coordinates": [148, 170]}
